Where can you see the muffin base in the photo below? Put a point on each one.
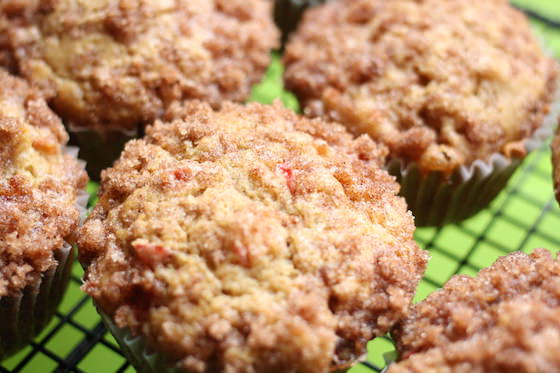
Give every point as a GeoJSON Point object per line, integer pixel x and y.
{"type": "Point", "coordinates": [136, 351]}
{"type": "Point", "coordinates": [99, 151]}
{"type": "Point", "coordinates": [288, 13]}
{"type": "Point", "coordinates": [436, 199]}
{"type": "Point", "coordinates": [25, 315]}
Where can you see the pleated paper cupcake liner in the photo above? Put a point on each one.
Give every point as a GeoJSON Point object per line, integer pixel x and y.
{"type": "Point", "coordinates": [136, 351]}
{"type": "Point", "coordinates": [99, 151]}
{"type": "Point", "coordinates": [436, 199]}
{"type": "Point", "coordinates": [288, 13]}
{"type": "Point", "coordinates": [25, 315]}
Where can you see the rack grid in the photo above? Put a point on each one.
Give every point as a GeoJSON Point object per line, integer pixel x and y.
{"type": "Point", "coordinates": [525, 216]}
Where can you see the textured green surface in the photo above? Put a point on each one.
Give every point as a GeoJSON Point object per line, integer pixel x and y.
{"type": "Point", "coordinates": [523, 217]}
{"type": "Point", "coordinates": [550, 8]}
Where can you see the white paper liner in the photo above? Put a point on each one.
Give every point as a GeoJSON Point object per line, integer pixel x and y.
{"type": "Point", "coordinates": [436, 199]}
{"type": "Point", "coordinates": [24, 316]}
{"type": "Point", "coordinates": [82, 198]}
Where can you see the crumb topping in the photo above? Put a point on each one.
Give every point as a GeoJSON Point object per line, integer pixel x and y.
{"type": "Point", "coordinates": [525, 338]}
{"type": "Point", "coordinates": [251, 240]}
{"type": "Point", "coordinates": [38, 186]}
{"type": "Point", "coordinates": [441, 83]}
{"type": "Point", "coordinates": [503, 320]}
{"type": "Point", "coordinates": [114, 64]}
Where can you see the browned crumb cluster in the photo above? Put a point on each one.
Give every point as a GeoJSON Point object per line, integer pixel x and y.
{"type": "Point", "coordinates": [38, 186]}
{"type": "Point", "coordinates": [112, 64]}
{"type": "Point", "coordinates": [507, 319]}
{"type": "Point", "coordinates": [6, 59]}
{"type": "Point", "coordinates": [251, 240]}
{"type": "Point", "coordinates": [440, 82]}
{"type": "Point", "coordinates": [524, 339]}
{"type": "Point", "coordinates": [13, 13]}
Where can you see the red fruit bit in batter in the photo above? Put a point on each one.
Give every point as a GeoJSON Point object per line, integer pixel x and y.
{"type": "Point", "coordinates": [243, 254]}
{"type": "Point", "coordinates": [182, 174]}
{"type": "Point", "coordinates": [289, 175]}
{"type": "Point", "coordinates": [151, 254]}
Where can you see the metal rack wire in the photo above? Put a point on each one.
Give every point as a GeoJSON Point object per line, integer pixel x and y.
{"type": "Point", "coordinates": [523, 217]}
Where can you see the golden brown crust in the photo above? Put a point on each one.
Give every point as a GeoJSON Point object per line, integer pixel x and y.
{"type": "Point", "coordinates": [524, 339]}
{"type": "Point", "coordinates": [6, 59]}
{"type": "Point", "coordinates": [235, 241]}
{"type": "Point", "coordinates": [442, 83]}
{"type": "Point", "coordinates": [38, 186]}
{"type": "Point", "coordinates": [13, 13]}
{"type": "Point", "coordinates": [503, 320]}
{"type": "Point", "coordinates": [114, 64]}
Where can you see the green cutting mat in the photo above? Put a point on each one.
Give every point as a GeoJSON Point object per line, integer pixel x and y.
{"type": "Point", "coordinates": [525, 216]}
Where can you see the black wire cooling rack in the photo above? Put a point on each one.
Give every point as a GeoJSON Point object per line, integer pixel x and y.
{"type": "Point", "coordinates": [523, 217]}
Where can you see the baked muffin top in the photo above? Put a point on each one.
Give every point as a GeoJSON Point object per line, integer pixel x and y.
{"type": "Point", "coordinates": [112, 64]}
{"type": "Point", "coordinates": [6, 58]}
{"type": "Point", "coordinates": [251, 240]}
{"type": "Point", "coordinates": [503, 320]}
{"type": "Point", "coordinates": [525, 338]}
{"type": "Point", "coordinates": [440, 82]}
{"type": "Point", "coordinates": [38, 186]}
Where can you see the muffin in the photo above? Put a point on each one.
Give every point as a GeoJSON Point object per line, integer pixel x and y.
{"type": "Point", "coordinates": [110, 66]}
{"type": "Point", "coordinates": [41, 190]}
{"type": "Point", "coordinates": [458, 91]}
{"type": "Point", "coordinates": [504, 320]}
{"type": "Point", "coordinates": [249, 240]}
